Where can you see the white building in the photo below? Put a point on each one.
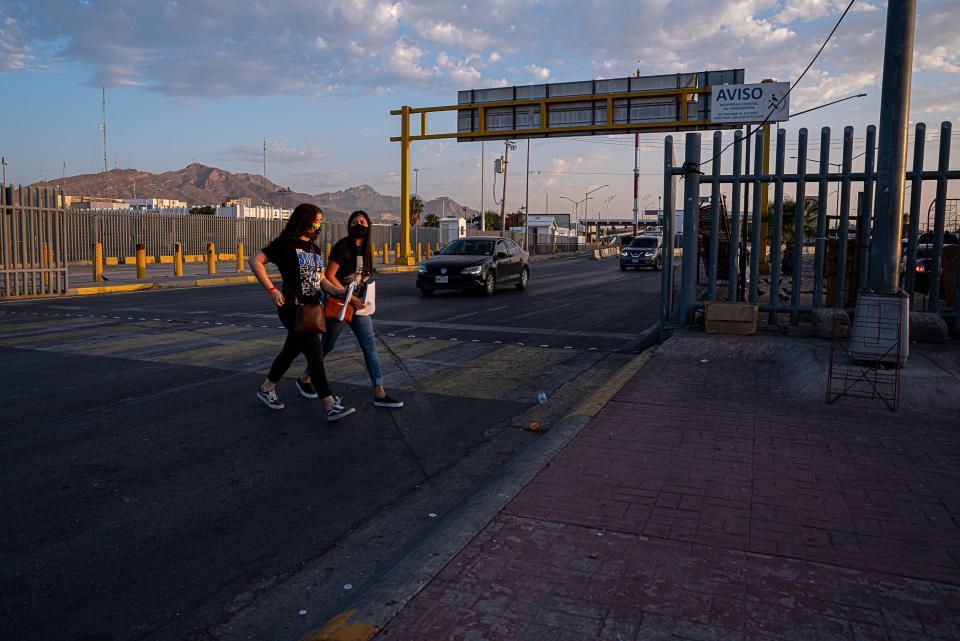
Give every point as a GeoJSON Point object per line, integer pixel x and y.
{"type": "Point", "coordinates": [546, 225]}
{"type": "Point", "coordinates": [155, 203]}
{"type": "Point", "coordinates": [261, 212]}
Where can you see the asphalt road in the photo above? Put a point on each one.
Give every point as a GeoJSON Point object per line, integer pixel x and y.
{"type": "Point", "coordinates": [148, 495]}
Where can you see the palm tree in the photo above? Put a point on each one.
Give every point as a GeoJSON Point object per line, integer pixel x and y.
{"type": "Point", "coordinates": [416, 210]}
{"type": "Point", "coordinates": [789, 226]}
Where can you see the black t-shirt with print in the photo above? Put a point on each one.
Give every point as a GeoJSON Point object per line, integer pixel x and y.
{"type": "Point", "coordinates": [301, 267]}
{"type": "Point", "coordinates": [349, 260]}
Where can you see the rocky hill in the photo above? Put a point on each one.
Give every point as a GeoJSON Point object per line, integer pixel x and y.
{"type": "Point", "coordinates": [202, 185]}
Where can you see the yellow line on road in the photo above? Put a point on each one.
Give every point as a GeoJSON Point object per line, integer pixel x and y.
{"type": "Point", "coordinates": [596, 402]}
{"type": "Point", "coordinates": [109, 289]}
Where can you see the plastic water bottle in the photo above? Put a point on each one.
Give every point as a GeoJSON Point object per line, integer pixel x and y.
{"type": "Point", "coordinates": [542, 398]}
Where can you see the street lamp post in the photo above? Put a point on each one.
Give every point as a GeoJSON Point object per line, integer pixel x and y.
{"type": "Point", "coordinates": [586, 197]}
{"type": "Point", "coordinates": [576, 208]}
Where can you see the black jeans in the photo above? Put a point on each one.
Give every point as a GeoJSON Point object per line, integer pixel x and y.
{"type": "Point", "coordinates": [296, 344]}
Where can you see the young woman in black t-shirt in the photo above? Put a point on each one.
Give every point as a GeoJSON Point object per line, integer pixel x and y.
{"type": "Point", "coordinates": [300, 262]}
{"type": "Point", "coordinates": [351, 260]}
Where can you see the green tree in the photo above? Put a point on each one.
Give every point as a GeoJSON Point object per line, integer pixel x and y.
{"type": "Point", "coordinates": [416, 210]}
{"type": "Point", "coordinates": [204, 210]}
{"type": "Point", "coordinates": [431, 220]}
{"type": "Point", "coordinates": [492, 220]}
{"type": "Point", "coordinates": [790, 217]}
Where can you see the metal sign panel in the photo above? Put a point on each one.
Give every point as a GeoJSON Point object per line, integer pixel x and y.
{"type": "Point", "coordinates": [750, 103]}
{"type": "Point", "coordinates": [591, 107]}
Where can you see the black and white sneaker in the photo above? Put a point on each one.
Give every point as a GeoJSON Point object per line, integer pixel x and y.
{"type": "Point", "coordinates": [387, 401]}
{"type": "Point", "coordinates": [270, 399]}
{"type": "Point", "coordinates": [338, 411]}
{"type": "Point", "coordinates": [306, 389]}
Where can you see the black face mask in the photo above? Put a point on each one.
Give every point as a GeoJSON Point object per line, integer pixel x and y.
{"type": "Point", "coordinates": [359, 232]}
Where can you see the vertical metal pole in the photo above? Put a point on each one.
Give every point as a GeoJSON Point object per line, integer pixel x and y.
{"type": "Point", "coordinates": [916, 189]}
{"type": "Point", "coordinates": [691, 219]}
{"type": "Point", "coordinates": [742, 283]}
{"type": "Point", "coordinates": [177, 259]}
{"type": "Point", "coordinates": [894, 114]}
{"type": "Point", "coordinates": [526, 202]}
{"type": "Point", "coordinates": [714, 217]}
{"type": "Point", "coordinates": [636, 181]}
{"type": "Point", "coordinates": [404, 187]}
{"type": "Point", "coordinates": [863, 221]}
{"type": "Point", "coordinates": [820, 247]}
{"type": "Point", "coordinates": [842, 232]}
{"type": "Point", "coordinates": [503, 196]}
{"type": "Point", "coordinates": [98, 262]}
{"type": "Point", "coordinates": [755, 246]}
{"type": "Point", "coordinates": [734, 248]}
{"type": "Point", "coordinates": [799, 226]}
{"type": "Point", "coordinates": [939, 214]}
{"type": "Point", "coordinates": [777, 226]}
{"type": "Point", "coordinates": [666, 276]}
{"type": "Point", "coordinates": [483, 213]}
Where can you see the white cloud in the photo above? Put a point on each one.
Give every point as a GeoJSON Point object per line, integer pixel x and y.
{"type": "Point", "coordinates": [14, 52]}
{"type": "Point", "coordinates": [406, 61]}
{"type": "Point", "coordinates": [540, 74]}
{"type": "Point", "coordinates": [460, 71]}
{"type": "Point", "coordinates": [448, 34]}
{"type": "Point", "coordinates": [494, 57]}
{"type": "Point", "coordinates": [938, 59]}
{"type": "Point", "coordinates": [276, 153]}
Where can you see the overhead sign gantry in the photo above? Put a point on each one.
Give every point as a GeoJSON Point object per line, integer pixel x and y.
{"type": "Point", "coordinates": [665, 103]}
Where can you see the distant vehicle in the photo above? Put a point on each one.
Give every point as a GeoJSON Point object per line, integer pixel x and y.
{"type": "Point", "coordinates": [478, 262]}
{"type": "Point", "coordinates": [643, 251]}
{"type": "Point", "coordinates": [923, 267]}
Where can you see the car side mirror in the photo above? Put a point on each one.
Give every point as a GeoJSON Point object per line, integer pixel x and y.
{"type": "Point", "coordinates": [501, 255]}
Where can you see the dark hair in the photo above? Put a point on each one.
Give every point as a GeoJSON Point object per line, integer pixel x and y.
{"type": "Point", "coordinates": [366, 249]}
{"type": "Point", "coordinates": [301, 220]}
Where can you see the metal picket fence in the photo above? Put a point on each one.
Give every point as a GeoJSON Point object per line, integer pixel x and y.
{"type": "Point", "coordinates": [32, 250]}
{"type": "Point", "coordinates": [837, 267]}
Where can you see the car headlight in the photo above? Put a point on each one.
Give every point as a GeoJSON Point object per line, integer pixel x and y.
{"type": "Point", "coordinates": [472, 271]}
{"type": "Point", "coordinates": [422, 268]}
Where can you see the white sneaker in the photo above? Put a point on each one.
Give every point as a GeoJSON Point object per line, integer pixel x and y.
{"type": "Point", "coordinates": [338, 411]}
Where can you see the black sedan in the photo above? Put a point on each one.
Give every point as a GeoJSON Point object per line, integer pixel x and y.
{"type": "Point", "coordinates": [480, 262]}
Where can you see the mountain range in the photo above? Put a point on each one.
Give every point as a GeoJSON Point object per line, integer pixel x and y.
{"type": "Point", "coordinates": [199, 184]}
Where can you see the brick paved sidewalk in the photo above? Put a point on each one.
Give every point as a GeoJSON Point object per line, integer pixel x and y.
{"type": "Point", "coordinates": [701, 504]}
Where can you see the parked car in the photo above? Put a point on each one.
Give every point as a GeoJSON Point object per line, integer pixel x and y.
{"type": "Point", "coordinates": [923, 267]}
{"type": "Point", "coordinates": [643, 251]}
{"type": "Point", "coordinates": [478, 262]}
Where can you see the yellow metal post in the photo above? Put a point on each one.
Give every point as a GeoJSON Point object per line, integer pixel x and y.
{"type": "Point", "coordinates": [419, 252]}
{"type": "Point", "coordinates": [403, 256]}
{"type": "Point", "coordinates": [386, 253]}
{"type": "Point", "coordinates": [211, 258]}
{"type": "Point", "coordinates": [397, 249]}
{"type": "Point", "coordinates": [240, 260]}
{"type": "Point", "coordinates": [141, 261]}
{"type": "Point", "coordinates": [46, 264]}
{"type": "Point", "coordinates": [177, 259]}
{"type": "Point", "coordinates": [326, 251]}
{"type": "Point", "coordinates": [98, 262]}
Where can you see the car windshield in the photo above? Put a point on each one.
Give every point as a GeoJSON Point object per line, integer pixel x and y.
{"type": "Point", "coordinates": [644, 243]}
{"type": "Point", "coordinates": [468, 247]}
{"type": "Point", "coordinates": [924, 251]}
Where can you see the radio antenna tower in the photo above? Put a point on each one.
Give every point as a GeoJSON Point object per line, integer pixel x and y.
{"type": "Point", "coordinates": [264, 157]}
{"type": "Point", "coordinates": [103, 126]}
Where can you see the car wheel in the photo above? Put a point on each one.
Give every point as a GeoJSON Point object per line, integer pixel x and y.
{"type": "Point", "coordinates": [623, 267]}
{"type": "Point", "coordinates": [524, 279]}
{"type": "Point", "coordinates": [656, 265]}
{"type": "Point", "coordinates": [490, 284]}
{"type": "Point", "coordinates": [426, 291]}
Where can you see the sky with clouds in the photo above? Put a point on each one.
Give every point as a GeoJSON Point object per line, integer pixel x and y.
{"type": "Point", "coordinates": [213, 79]}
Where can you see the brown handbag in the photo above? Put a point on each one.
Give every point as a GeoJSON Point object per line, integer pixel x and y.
{"type": "Point", "coordinates": [334, 305]}
{"type": "Point", "coordinates": [309, 319]}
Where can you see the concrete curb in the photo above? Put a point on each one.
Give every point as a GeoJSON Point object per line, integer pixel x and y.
{"type": "Point", "coordinates": [175, 284]}
{"type": "Point", "coordinates": [108, 289]}
{"type": "Point", "coordinates": [375, 606]}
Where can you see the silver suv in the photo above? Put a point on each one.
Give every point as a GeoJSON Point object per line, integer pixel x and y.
{"type": "Point", "coordinates": [643, 251]}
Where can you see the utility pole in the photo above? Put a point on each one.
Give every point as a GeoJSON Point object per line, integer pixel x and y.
{"type": "Point", "coordinates": [526, 202]}
{"type": "Point", "coordinates": [103, 125]}
{"type": "Point", "coordinates": [483, 214]}
{"type": "Point", "coordinates": [586, 197]}
{"type": "Point", "coordinates": [883, 275]}
{"type": "Point", "coordinates": [636, 177]}
{"type": "Point", "coordinates": [416, 181]}
{"type": "Point", "coordinates": [63, 173]}
{"type": "Point", "coordinates": [3, 162]}
{"type": "Point", "coordinates": [507, 146]}
{"type": "Point", "coordinates": [264, 157]}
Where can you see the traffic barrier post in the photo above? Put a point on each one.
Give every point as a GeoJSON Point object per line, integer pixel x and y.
{"type": "Point", "coordinates": [211, 258]}
{"type": "Point", "coordinates": [141, 261]}
{"type": "Point", "coordinates": [177, 259]}
{"type": "Point", "coordinates": [98, 262]}
{"type": "Point", "coordinates": [239, 257]}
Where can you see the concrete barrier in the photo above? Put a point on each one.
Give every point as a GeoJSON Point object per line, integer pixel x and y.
{"type": "Point", "coordinates": [606, 252]}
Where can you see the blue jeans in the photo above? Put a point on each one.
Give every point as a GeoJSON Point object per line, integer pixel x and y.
{"type": "Point", "coordinates": [362, 327]}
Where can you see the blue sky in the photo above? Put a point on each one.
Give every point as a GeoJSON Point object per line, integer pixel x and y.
{"type": "Point", "coordinates": [211, 79]}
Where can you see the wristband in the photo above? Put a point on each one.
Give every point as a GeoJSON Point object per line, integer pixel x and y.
{"type": "Point", "coordinates": [271, 290]}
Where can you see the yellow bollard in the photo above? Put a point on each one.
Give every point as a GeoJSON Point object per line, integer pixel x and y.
{"type": "Point", "coordinates": [419, 253]}
{"type": "Point", "coordinates": [211, 258]}
{"type": "Point", "coordinates": [177, 259]}
{"type": "Point", "coordinates": [386, 253]}
{"type": "Point", "coordinates": [46, 264]}
{"type": "Point", "coordinates": [396, 255]}
{"type": "Point", "coordinates": [141, 261]}
{"type": "Point", "coordinates": [239, 257]}
{"type": "Point", "coordinates": [326, 251]}
{"type": "Point", "coordinates": [98, 262]}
